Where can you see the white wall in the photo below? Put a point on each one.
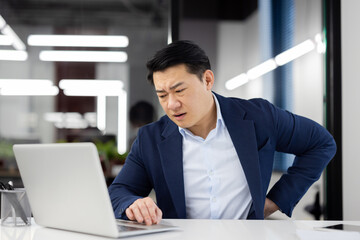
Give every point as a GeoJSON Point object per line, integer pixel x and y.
{"type": "Point", "coordinates": [350, 49]}
{"type": "Point", "coordinates": [205, 34]}
{"type": "Point", "coordinates": [238, 50]}
{"type": "Point", "coordinates": [308, 70]}
{"type": "Point", "coordinates": [232, 47]}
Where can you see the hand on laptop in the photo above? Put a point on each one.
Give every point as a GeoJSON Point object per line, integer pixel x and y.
{"type": "Point", "coordinates": [144, 210]}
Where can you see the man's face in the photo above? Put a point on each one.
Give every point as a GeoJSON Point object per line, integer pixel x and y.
{"type": "Point", "coordinates": [186, 100]}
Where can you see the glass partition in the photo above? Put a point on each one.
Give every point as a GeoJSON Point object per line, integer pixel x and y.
{"type": "Point", "coordinates": [70, 70]}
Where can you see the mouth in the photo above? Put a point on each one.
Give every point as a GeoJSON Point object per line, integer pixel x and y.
{"type": "Point", "coordinates": [179, 116]}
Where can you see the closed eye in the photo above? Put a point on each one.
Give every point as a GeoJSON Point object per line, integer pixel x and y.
{"type": "Point", "coordinates": [180, 90]}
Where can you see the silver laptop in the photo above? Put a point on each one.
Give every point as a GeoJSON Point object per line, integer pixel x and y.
{"type": "Point", "coordinates": [66, 188]}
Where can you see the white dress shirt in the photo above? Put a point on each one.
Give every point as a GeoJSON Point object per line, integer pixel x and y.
{"type": "Point", "coordinates": [214, 180]}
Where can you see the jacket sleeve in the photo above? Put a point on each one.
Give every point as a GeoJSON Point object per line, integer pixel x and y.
{"type": "Point", "coordinates": [131, 183]}
{"type": "Point", "coordinates": [313, 147]}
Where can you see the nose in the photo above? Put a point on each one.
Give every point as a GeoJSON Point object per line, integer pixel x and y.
{"type": "Point", "coordinates": [173, 103]}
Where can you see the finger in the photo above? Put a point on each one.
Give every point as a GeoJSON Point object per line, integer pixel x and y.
{"type": "Point", "coordinates": [137, 213]}
{"type": "Point", "coordinates": [154, 211]}
{"type": "Point", "coordinates": [145, 212]}
{"type": "Point", "coordinates": [134, 208]}
{"type": "Point", "coordinates": [152, 208]}
{"type": "Point", "coordinates": [158, 215]}
{"type": "Point", "coordinates": [129, 214]}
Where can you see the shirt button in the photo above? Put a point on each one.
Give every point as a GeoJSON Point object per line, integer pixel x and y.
{"type": "Point", "coordinates": [211, 173]}
{"type": "Point", "coordinates": [213, 199]}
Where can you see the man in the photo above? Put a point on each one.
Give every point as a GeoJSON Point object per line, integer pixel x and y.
{"type": "Point", "coordinates": [211, 156]}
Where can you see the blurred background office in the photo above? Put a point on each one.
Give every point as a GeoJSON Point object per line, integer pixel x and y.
{"type": "Point", "coordinates": [70, 71]}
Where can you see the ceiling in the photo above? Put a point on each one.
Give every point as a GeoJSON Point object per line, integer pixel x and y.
{"type": "Point", "coordinates": [237, 10]}
{"type": "Point", "coordinates": [83, 13]}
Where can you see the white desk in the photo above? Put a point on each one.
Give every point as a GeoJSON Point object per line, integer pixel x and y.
{"type": "Point", "coordinates": [202, 229]}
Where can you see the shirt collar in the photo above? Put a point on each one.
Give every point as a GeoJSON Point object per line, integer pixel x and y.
{"type": "Point", "coordinates": [219, 120]}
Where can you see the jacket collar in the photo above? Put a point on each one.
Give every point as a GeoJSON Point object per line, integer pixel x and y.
{"type": "Point", "coordinates": [242, 133]}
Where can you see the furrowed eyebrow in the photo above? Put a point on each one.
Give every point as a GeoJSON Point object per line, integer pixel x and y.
{"type": "Point", "coordinates": [171, 88]}
{"type": "Point", "coordinates": [176, 85]}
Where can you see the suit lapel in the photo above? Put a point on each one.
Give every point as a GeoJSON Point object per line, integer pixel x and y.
{"type": "Point", "coordinates": [172, 164]}
{"type": "Point", "coordinates": [242, 133]}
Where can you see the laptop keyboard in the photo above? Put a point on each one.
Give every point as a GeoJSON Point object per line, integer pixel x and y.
{"type": "Point", "coordinates": [124, 225]}
{"type": "Point", "coordinates": [127, 228]}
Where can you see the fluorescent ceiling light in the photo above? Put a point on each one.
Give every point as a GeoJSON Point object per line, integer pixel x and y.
{"type": "Point", "coordinates": [5, 40]}
{"type": "Point", "coordinates": [78, 40]}
{"type": "Point", "coordinates": [261, 69]}
{"type": "Point", "coordinates": [54, 116]}
{"type": "Point", "coordinates": [320, 45]}
{"type": "Point", "coordinates": [27, 87]}
{"type": "Point", "coordinates": [69, 119]}
{"type": "Point", "coordinates": [7, 31]}
{"type": "Point", "coordinates": [25, 83]}
{"type": "Point", "coordinates": [88, 87]}
{"type": "Point", "coordinates": [13, 55]}
{"type": "Point", "coordinates": [122, 123]}
{"type": "Point", "coordinates": [294, 52]}
{"type": "Point", "coordinates": [318, 37]}
{"type": "Point", "coordinates": [90, 117]}
{"type": "Point", "coordinates": [279, 60]}
{"type": "Point", "coordinates": [83, 56]}
{"type": "Point", "coordinates": [89, 93]}
{"type": "Point", "coordinates": [2, 22]}
{"type": "Point", "coordinates": [72, 124]}
{"type": "Point", "coordinates": [101, 112]}
{"type": "Point", "coordinates": [92, 84]}
{"type": "Point", "coordinates": [236, 81]}
{"type": "Point", "coordinates": [45, 91]}
{"type": "Point", "coordinates": [16, 42]}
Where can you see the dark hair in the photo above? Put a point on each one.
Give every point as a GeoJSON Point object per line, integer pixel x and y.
{"type": "Point", "coordinates": [142, 113]}
{"type": "Point", "coordinates": [179, 52]}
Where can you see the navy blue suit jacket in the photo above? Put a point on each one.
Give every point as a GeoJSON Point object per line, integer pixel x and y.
{"type": "Point", "coordinates": [257, 129]}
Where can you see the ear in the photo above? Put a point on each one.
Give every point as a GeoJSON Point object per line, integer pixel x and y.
{"type": "Point", "coordinates": [208, 79]}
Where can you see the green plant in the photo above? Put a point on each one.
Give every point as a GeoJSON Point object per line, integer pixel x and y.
{"type": "Point", "coordinates": [108, 152]}
{"type": "Point", "coordinates": [6, 151]}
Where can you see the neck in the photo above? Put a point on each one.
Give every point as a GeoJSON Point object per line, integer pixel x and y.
{"type": "Point", "coordinates": [208, 123]}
